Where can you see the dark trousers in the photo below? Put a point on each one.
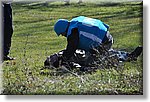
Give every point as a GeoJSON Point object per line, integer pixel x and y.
{"type": "Point", "coordinates": [7, 28]}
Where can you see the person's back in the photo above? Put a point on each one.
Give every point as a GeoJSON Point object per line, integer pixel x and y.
{"type": "Point", "coordinates": [83, 33]}
{"type": "Point", "coordinates": [91, 32]}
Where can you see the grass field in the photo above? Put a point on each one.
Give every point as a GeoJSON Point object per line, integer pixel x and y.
{"type": "Point", "coordinates": [34, 39]}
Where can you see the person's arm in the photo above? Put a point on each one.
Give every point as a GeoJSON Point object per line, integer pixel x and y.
{"type": "Point", "coordinates": [72, 40]}
{"type": "Point", "coordinates": [107, 41]}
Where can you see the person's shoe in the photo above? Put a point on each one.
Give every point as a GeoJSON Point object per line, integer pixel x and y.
{"type": "Point", "coordinates": [5, 58]}
{"type": "Point", "coordinates": [134, 54]}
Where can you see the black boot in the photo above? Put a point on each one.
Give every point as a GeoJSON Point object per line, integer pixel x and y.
{"type": "Point", "coordinates": [134, 54]}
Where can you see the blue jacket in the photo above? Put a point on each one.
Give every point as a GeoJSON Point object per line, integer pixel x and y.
{"type": "Point", "coordinates": [91, 31]}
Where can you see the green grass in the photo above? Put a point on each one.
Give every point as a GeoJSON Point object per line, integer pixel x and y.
{"type": "Point", "coordinates": [34, 39]}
